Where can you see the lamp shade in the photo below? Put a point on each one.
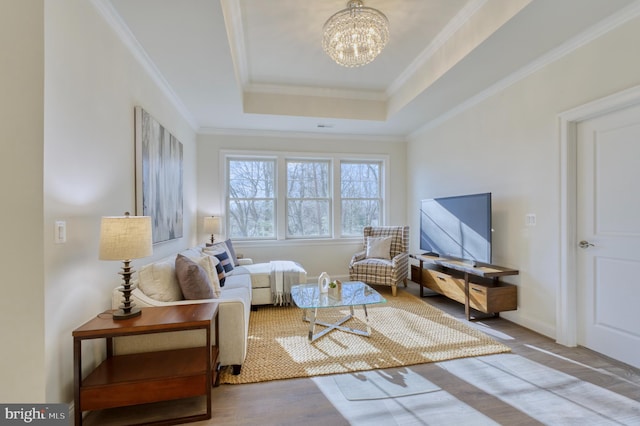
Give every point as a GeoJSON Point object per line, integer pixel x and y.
{"type": "Point", "coordinates": [212, 224]}
{"type": "Point", "coordinates": [125, 237]}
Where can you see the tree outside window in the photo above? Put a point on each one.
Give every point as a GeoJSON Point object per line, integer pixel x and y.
{"type": "Point", "coordinates": [361, 195]}
{"type": "Point", "coordinates": [251, 202]}
{"type": "Point", "coordinates": [308, 198]}
{"type": "Point", "coordinates": [308, 204]}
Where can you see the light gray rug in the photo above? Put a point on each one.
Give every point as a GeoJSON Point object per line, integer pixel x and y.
{"type": "Point", "coordinates": [380, 384]}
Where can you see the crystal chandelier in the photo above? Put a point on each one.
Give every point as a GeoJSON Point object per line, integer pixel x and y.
{"type": "Point", "coordinates": [356, 35]}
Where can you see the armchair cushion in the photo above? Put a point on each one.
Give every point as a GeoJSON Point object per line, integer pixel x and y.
{"type": "Point", "coordinates": [379, 247]}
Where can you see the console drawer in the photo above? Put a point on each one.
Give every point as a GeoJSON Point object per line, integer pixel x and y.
{"type": "Point", "coordinates": [444, 284]}
{"type": "Point", "coordinates": [497, 297]}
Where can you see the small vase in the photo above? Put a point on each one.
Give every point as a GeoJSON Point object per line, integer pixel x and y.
{"type": "Point", "coordinates": [335, 293]}
{"type": "Point", "coordinates": [323, 282]}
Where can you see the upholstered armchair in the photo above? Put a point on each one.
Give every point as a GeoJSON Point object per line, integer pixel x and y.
{"type": "Point", "coordinates": [385, 257]}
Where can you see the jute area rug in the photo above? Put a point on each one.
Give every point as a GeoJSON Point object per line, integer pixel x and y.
{"type": "Point", "coordinates": [404, 331]}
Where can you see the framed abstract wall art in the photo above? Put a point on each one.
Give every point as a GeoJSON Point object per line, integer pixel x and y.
{"type": "Point", "coordinates": [158, 177]}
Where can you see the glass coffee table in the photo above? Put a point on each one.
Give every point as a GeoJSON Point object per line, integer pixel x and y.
{"type": "Point", "coordinates": [354, 293]}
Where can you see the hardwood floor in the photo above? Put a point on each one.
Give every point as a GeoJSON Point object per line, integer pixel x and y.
{"type": "Point", "coordinates": [302, 401]}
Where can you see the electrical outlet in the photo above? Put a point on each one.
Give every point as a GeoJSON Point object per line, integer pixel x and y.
{"type": "Point", "coordinates": [530, 219]}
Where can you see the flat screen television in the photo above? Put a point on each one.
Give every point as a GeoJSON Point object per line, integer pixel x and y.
{"type": "Point", "coordinates": [458, 227]}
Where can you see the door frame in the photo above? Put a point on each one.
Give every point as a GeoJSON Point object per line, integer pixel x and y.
{"type": "Point", "coordinates": [566, 302]}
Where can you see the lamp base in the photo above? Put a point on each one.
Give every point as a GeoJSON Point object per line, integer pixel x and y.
{"type": "Point", "coordinates": [127, 309]}
{"type": "Point", "coordinates": [120, 314]}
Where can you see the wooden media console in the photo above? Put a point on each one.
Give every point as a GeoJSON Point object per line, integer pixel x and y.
{"type": "Point", "coordinates": [477, 286]}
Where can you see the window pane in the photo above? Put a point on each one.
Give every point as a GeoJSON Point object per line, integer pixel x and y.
{"type": "Point", "coordinates": [252, 218]}
{"type": "Point", "coordinates": [251, 178]}
{"type": "Point", "coordinates": [307, 179]}
{"type": "Point", "coordinates": [308, 199]}
{"type": "Point", "coordinates": [308, 218]}
{"type": "Point", "coordinates": [360, 180]}
{"type": "Point", "coordinates": [360, 191]}
{"type": "Point", "coordinates": [356, 214]}
{"type": "Point", "coordinates": [251, 203]}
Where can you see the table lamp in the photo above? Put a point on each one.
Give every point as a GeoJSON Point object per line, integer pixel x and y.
{"type": "Point", "coordinates": [212, 226]}
{"type": "Point", "coordinates": [125, 238]}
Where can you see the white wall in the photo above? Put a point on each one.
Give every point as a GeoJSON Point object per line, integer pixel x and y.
{"type": "Point", "coordinates": [22, 369]}
{"type": "Point", "coordinates": [92, 85]}
{"type": "Point", "coordinates": [316, 256]}
{"type": "Point", "coordinates": [509, 145]}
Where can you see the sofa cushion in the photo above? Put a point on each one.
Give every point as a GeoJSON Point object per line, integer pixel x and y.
{"type": "Point", "coordinates": [225, 261]}
{"type": "Point", "coordinates": [241, 270]}
{"type": "Point", "coordinates": [232, 252]}
{"type": "Point", "coordinates": [158, 281]}
{"type": "Point", "coordinates": [219, 269]}
{"type": "Point", "coordinates": [260, 275]}
{"type": "Point", "coordinates": [222, 252]}
{"type": "Point", "coordinates": [238, 281]}
{"type": "Point", "coordinates": [193, 279]}
{"type": "Point", "coordinates": [206, 262]}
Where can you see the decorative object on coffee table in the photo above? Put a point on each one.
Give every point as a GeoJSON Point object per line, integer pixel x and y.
{"type": "Point", "coordinates": [323, 282]}
{"type": "Point", "coordinates": [125, 238]}
{"type": "Point", "coordinates": [212, 226]}
{"type": "Point", "coordinates": [335, 289]}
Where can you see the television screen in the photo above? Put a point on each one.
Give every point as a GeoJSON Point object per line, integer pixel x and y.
{"type": "Point", "coordinates": [457, 227]}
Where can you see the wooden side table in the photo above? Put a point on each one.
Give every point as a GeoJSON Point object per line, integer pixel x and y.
{"type": "Point", "coordinates": [122, 380]}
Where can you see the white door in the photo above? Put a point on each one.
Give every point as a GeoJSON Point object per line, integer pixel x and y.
{"type": "Point", "coordinates": [608, 225]}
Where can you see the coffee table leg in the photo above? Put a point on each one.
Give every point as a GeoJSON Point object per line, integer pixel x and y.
{"type": "Point", "coordinates": [366, 319]}
{"type": "Point", "coordinates": [312, 323]}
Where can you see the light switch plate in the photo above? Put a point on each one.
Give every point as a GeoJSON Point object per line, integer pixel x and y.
{"type": "Point", "coordinates": [60, 232]}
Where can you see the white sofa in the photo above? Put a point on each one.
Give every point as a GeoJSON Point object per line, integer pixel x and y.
{"type": "Point", "coordinates": [246, 285]}
{"type": "Point", "coordinates": [233, 315]}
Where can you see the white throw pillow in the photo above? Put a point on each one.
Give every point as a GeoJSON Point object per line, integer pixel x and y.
{"type": "Point", "coordinates": [158, 281]}
{"type": "Point", "coordinates": [379, 247]}
{"type": "Point", "coordinates": [207, 263]}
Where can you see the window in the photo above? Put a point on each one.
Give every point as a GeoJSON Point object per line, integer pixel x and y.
{"type": "Point", "coordinates": [308, 198]}
{"type": "Point", "coordinates": [251, 202]}
{"type": "Point", "coordinates": [277, 196]}
{"type": "Point", "coordinates": [361, 195]}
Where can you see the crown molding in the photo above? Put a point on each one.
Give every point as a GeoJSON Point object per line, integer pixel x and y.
{"type": "Point", "coordinates": [235, 32]}
{"type": "Point", "coordinates": [594, 32]}
{"type": "Point", "coordinates": [300, 135]}
{"type": "Point", "coordinates": [113, 19]}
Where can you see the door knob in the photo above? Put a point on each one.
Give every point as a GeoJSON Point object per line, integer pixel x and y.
{"type": "Point", "coordinates": [585, 244]}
